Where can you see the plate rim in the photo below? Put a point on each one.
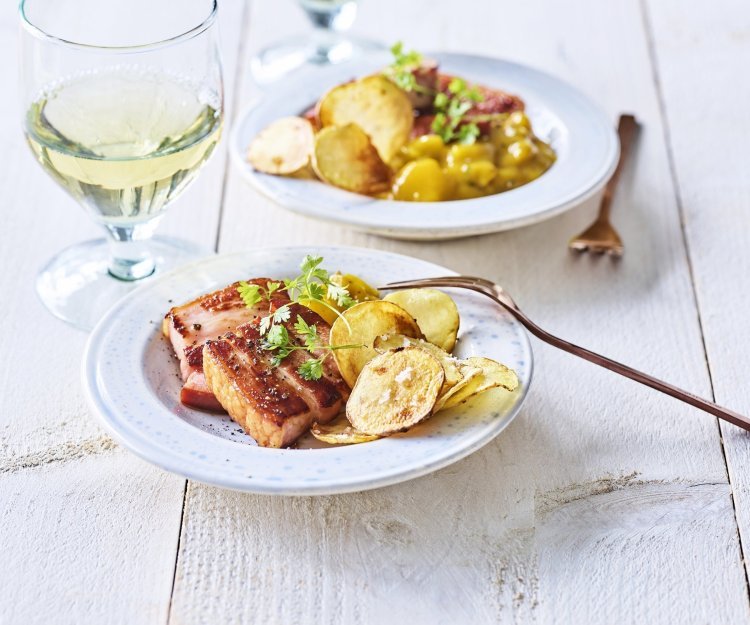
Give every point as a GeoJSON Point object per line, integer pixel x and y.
{"type": "Point", "coordinates": [296, 203]}
{"type": "Point", "coordinates": [144, 447]}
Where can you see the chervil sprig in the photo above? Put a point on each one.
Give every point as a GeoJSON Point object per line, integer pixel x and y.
{"type": "Point", "coordinates": [401, 70]}
{"type": "Point", "coordinates": [278, 341]}
{"type": "Point", "coordinates": [251, 294]}
{"type": "Point", "coordinates": [313, 284]}
{"type": "Point", "coordinates": [451, 108]}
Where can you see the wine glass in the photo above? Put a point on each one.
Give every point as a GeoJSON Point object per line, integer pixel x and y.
{"type": "Point", "coordinates": [123, 104]}
{"type": "Point", "coordinates": [326, 46]}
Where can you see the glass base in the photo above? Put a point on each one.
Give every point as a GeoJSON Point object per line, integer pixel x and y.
{"type": "Point", "coordinates": [284, 57]}
{"type": "Point", "coordinates": [77, 287]}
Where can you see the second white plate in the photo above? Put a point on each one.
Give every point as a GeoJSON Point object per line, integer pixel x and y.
{"type": "Point", "coordinates": [581, 134]}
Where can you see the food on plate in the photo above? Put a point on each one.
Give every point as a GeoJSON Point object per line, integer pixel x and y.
{"type": "Point", "coordinates": [283, 147]}
{"type": "Point", "coordinates": [329, 308]}
{"type": "Point", "coordinates": [411, 133]}
{"type": "Point", "coordinates": [453, 374]}
{"type": "Point", "coordinates": [467, 375]}
{"type": "Point", "coordinates": [491, 374]}
{"type": "Point", "coordinates": [463, 378]}
{"type": "Point", "coordinates": [345, 157]}
{"type": "Point", "coordinates": [361, 325]}
{"type": "Point", "coordinates": [340, 432]}
{"type": "Point", "coordinates": [190, 325]}
{"type": "Point", "coordinates": [273, 402]}
{"type": "Point", "coordinates": [394, 391]}
{"type": "Point", "coordinates": [434, 311]}
{"type": "Point", "coordinates": [376, 105]}
{"type": "Point", "coordinates": [264, 351]}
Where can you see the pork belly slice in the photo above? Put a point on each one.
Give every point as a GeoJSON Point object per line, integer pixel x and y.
{"type": "Point", "coordinates": [196, 394]}
{"type": "Point", "coordinates": [189, 326]}
{"type": "Point", "coordinates": [274, 405]}
{"type": "Point", "coordinates": [330, 368]}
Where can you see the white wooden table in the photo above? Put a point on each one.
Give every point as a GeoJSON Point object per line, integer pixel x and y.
{"type": "Point", "coordinates": [604, 502]}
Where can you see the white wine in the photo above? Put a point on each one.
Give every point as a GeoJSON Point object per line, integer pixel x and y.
{"type": "Point", "coordinates": [124, 143]}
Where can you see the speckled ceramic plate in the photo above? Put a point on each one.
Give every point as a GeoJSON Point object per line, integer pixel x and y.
{"type": "Point", "coordinates": [132, 382]}
{"type": "Point", "coordinates": [581, 134]}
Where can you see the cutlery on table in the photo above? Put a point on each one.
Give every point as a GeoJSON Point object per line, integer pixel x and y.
{"type": "Point", "coordinates": [501, 297]}
{"type": "Point", "coordinates": [600, 237]}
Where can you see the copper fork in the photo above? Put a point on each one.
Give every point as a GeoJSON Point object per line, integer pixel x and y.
{"type": "Point", "coordinates": [601, 237]}
{"type": "Point", "coordinates": [496, 293]}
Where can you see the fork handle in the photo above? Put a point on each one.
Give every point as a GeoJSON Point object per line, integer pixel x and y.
{"type": "Point", "coordinates": [627, 126]}
{"type": "Point", "coordinates": [639, 376]}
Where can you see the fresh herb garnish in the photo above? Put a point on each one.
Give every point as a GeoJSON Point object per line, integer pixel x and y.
{"type": "Point", "coordinates": [401, 70]}
{"type": "Point", "coordinates": [277, 340]}
{"type": "Point", "coordinates": [450, 122]}
{"type": "Point", "coordinates": [313, 284]}
{"type": "Point", "coordinates": [251, 294]}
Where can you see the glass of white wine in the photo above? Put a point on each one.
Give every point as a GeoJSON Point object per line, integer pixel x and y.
{"type": "Point", "coordinates": [327, 45]}
{"type": "Point", "coordinates": [123, 104]}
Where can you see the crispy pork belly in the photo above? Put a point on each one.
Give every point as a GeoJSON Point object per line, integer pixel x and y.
{"type": "Point", "coordinates": [330, 368]}
{"type": "Point", "coordinates": [275, 405]}
{"type": "Point", "coordinates": [189, 326]}
{"type": "Point", "coordinates": [196, 394]}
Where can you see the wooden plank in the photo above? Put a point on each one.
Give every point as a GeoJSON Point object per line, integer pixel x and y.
{"type": "Point", "coordinates": [89, 540]}
{"type": "Point", "coordinates": [700, 52]}
{"type": "Point", "coordinates": [88, 534]}
{"type": "Point", "coordinates": [603, 501]}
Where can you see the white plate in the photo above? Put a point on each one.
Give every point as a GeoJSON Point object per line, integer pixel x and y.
{"type": "Point", "coordinates": [581, 134]}
{"type": "Point", "coordinates": [132, 382]}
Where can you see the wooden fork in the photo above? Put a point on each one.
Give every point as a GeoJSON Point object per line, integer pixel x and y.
{"type": "Point", "coordinates": [601, 237]}
{"type": "Point", "coordinates": [501, 297]}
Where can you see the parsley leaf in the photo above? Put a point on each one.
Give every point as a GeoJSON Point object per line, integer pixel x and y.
{"type": "Point", "coordinates": [277, 337]}
{"type": "Point", "coordinates": [401, 70]}
{"type": "Point", "coordinates": [311, 369]}
{"type": "Point", "coordinates": [309, 333]}
{"type": "Point", "coordinates": [281, 314]}
{"type": "Point", "coordinates": [340, 295]}
{"type": "Point", "coordinates": [250, 293]}
{"type": "Point", "coordinates": [450, 112]}
{"type": "Point", "coordinates": [313, 284]}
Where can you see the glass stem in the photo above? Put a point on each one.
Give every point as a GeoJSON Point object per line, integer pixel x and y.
{"type": "Point", "coordinates": [329, 22]}
{"type": "Point", "coordinates": [130, 258]}
{"type": "Point", "coordinates": [325, 41]}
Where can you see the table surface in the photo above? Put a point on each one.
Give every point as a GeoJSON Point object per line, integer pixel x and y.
{"type": "Point", "coordinates": [603, 502]}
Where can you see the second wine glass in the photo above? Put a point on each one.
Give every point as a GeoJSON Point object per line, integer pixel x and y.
{"type": "Point", "coordinates": [326, 45]}
{"type": "Point", "coordinates": [123, 106]}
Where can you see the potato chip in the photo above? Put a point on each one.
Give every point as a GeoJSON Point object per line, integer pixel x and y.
{"type": "Point", "coordinates": [283, 147]}
{"type": "Point", "coordinates": [344, 157]}
{"type": "Point", "coordinates": [435, 313]}
{"type": "Point", "coordinates": [340, 432]}
{"type": "Point", "coordinates": [394, 391]}
{"type": "Point", "coordinates": [361, 325]}
{"type": "Point", "coordinates": [469, 376]}
{"type": "Point", "coordinates": [493, 374]}
{"type": "Point", "coordinates": [359, 290]}
{"type": "Point", "coordinates": [376, 105]}
{"type": "Point", "coordinates": [452, 372]}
